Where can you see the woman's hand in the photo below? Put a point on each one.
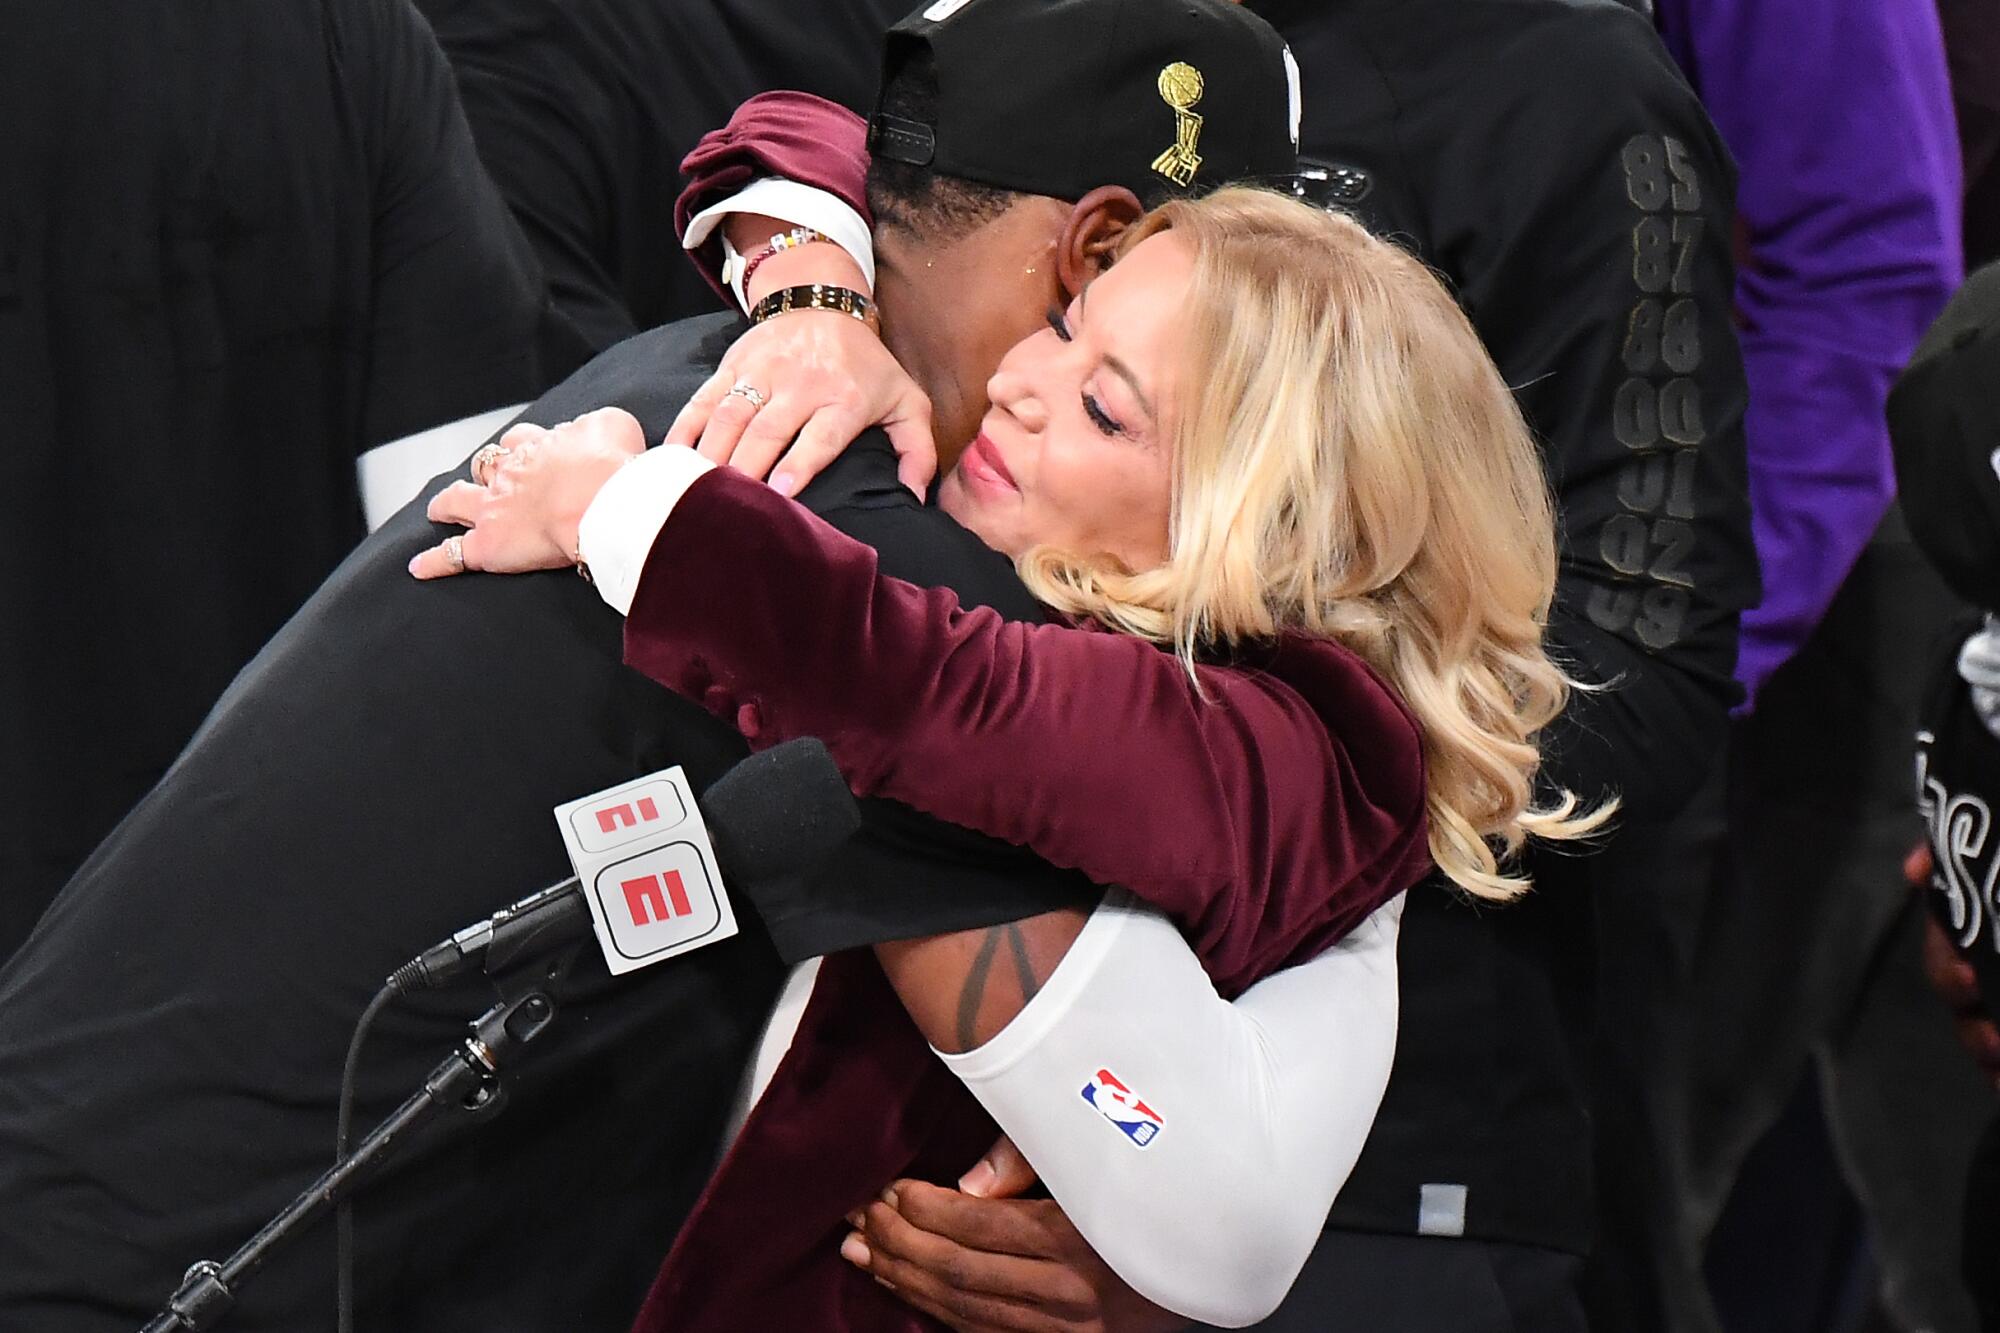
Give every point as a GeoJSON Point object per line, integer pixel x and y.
{"type": "Point", "coordinates": [813, 380]}
{"type": "Point", "coordinates": [527, 495]}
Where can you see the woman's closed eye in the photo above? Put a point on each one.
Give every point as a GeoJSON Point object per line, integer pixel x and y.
{"type": "Point", "coordinates": [1099, 418]}
{"type": "Point", "coordinates": [1103, 420]}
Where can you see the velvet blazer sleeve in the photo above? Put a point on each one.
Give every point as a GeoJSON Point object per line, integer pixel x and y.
{"type": "Point", "coordinates": [1268, 818]}
{"type": "Point", "coordinates": [795, 135]}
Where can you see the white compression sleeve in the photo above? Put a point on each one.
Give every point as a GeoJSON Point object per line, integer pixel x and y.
{"type": "Point", "coordinates": [1196, 1144]}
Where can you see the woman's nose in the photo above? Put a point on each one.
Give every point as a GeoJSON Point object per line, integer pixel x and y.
{"type": "Point", "coordinates": [1010, 391]}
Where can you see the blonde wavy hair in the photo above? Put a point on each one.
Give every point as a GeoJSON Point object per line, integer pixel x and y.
{"type": "Point", "coordinates": [1348, 463]}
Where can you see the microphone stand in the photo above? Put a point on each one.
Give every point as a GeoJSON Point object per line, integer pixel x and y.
{"type": "Point", "coordinates": [468, 1081]}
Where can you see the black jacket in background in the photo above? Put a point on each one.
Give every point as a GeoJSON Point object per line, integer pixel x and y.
{"type": "Point", "coordinates": [1512, 144]}
{"type": "Point", "coordinates": [240, 242]}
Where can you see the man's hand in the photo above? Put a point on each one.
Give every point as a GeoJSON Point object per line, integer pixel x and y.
{"type": "Point", "coordinates": [984, 1262]}
{"type": "Point", "coordinates": [1954, 980]}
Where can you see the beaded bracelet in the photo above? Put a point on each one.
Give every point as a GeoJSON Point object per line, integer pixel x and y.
{"type": "Point", "coordinates": [784, 240]}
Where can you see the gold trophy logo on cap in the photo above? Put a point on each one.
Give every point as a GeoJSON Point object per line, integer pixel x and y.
{"type": "Point", "coordinates": [1180, 86]}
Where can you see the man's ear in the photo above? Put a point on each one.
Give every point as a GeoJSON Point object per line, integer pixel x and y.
{"type": "Point", "coordinates": [1090, 239]}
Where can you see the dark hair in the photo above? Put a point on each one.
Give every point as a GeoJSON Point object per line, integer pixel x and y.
{"type": "Point", "coordinates": [918, 200]}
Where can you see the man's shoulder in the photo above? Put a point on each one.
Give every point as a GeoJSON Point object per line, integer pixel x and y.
{"type": "Point", "coordinates": [426, 626]}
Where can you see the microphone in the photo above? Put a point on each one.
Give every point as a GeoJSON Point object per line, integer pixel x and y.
{"type": "Point", "coordinates": [776, 813]}
{"type": "Point", "coordinates": [556, 915]}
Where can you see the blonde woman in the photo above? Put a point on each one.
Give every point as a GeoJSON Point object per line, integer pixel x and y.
{"type": "Point", "coordinates": [1262, 427]}
{"type": "Point", "coordinates": [1262, 441]}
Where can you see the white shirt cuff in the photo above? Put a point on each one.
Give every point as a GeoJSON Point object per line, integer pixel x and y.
{"type": "Point", "coordinates": [618, 530]}
{"type": "Point", "coordinates": [788, 201]}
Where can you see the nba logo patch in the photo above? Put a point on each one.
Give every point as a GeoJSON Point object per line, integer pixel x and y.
{"type": "Point", "coordinates": [1123, 1108]}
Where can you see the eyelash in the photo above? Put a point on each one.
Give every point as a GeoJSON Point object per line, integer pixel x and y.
{"type": "Point", "coordinates": [1099, 418]}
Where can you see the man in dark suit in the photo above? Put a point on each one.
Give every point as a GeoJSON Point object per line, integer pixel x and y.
{"type": "Point", "coordinates": [170, 1037]}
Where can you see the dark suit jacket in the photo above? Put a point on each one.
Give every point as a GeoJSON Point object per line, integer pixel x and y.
{"type": "Point", "coordinates": [382, 774]}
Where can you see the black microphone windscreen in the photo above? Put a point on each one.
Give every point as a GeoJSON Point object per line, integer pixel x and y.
{"type": "Point", "coordinates": [780, 811]}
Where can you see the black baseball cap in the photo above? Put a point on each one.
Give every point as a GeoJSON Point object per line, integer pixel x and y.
{"type": "Point", "coordinates": [1058, 97]}
{"type": "Point", "coordinates": [1944, 429]}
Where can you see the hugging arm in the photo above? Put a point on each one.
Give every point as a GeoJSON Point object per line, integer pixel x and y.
{"type": "Point", "coordinates": [1243, 814]}
{"type": "Point", "coordinates": [1058, 1025]}
{"type": "Point", "coordinates": [1145, 1101]}
{"type": "Point", "coordinates": [1151, 1107]}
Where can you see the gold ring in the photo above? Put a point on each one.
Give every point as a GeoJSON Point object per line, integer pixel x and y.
{"type": "Point", "coordinates": [483, 460]}
{"type": "Point", "coordinates": [454, 551]}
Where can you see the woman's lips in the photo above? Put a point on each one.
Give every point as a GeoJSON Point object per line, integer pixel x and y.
{"type": "Point", "coordinates": [983, 461]}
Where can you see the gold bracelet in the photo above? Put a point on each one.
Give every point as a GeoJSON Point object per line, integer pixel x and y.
{"type": "Point", "coordinates": [818, 296]}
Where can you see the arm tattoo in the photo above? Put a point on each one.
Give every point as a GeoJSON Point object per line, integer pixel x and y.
{"type": "Point", "coordinates": [973, 993]}
{"type": "Point", "coordinates": [974, 990]}
{"type": "Point", "coordinates": [1024, 970]}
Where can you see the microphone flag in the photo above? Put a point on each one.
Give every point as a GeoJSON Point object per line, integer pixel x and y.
{"type": "Point", "coordinates": [648, 870]}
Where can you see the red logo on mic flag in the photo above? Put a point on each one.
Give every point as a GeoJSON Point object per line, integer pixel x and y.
{"type": "Point", "coordinates": [612, 818]}
{"type": "Point", "coordinates": [636, 812]}
{"type": "Point", "coordinates": [657, 900]}
{"type": "Point", "coordinates": [643, 897]}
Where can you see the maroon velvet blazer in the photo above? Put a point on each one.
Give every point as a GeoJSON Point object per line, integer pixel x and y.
{"type": "Point", "coordinates": [1268, 818]}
